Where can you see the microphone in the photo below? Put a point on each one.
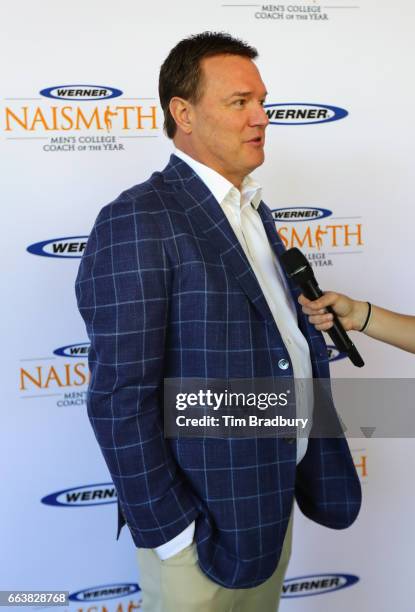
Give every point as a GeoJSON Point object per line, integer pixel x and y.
{"type": "Point", "coordinates": [299, 270]}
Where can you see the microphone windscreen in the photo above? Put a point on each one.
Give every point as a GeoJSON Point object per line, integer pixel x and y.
{"type": "Point", "coordinates": [294, 261]}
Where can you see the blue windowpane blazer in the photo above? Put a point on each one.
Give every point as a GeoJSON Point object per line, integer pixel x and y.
{"type": "Point", "coordinates": [166, 291]}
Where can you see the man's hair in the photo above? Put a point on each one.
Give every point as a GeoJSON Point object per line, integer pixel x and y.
{"type": "Point", "coordinates": [180, 73]}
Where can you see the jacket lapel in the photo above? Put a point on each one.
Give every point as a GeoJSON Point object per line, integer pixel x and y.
{"type": "Point", "coordinates": [210, 222]}
{"type": "Point", "coordinates": [279, 249]}
{"type": "Point", "coordinates": [276, 244]}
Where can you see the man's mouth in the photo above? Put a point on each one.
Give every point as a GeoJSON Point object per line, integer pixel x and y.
{"type": "Point", "coordinates": [258, 140]}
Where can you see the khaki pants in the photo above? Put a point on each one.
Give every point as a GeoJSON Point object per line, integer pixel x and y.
{"type": "Point", "coordinates": [179, 585]}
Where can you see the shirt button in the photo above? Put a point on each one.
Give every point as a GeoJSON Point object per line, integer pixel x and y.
{"type": "Point", "coordinates": [283, 364]}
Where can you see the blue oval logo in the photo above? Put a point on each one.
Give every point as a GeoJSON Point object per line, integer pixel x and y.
{"type": "Point", "coordinates": [334, 354]}
{"type": "Point", "coordinates": [73, 350]}
{"type": "Point", "coordinates": [81, 92]}
{"type": "Point", "coordinates": [86, 495]}
{"type": "Point", "coordinates": [67, 248]}
{"type": "Point", "coordinates": [293, 214]}
{"type": "Point", "coordinates": [298, 113]}
{"type": "Point", "coordinates": [105, 591]}
{"type": "Point", "coordinates": [318, 584]}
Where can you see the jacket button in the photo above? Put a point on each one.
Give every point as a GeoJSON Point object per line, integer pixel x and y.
{"type": "Point", "coordinates": [283, 364]}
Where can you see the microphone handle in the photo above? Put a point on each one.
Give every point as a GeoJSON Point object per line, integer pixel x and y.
{"type": "Point", "coordinates": [337, 333]}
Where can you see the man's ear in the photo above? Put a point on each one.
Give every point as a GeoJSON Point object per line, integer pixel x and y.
{"type": "Point", "coordinates": [180, 110]}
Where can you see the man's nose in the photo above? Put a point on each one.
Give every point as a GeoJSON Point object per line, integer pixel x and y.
{"type": "Point", "coordinates": [259, 116]}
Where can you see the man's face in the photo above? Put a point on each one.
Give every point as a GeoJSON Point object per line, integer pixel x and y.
{"type": "Point", "coordinates": [228, 122]}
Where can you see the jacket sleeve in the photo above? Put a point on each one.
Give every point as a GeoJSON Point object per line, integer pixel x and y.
{"type": "Point", "coordinates": [123, 291]}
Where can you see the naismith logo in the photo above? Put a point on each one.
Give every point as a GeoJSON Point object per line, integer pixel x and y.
{"type": "Point", "coordinates": [318, 584]}
{"type": "Point", "coordinates": [86, 495]}
{"type": "Point", "coordinates": [321, 231]}
{"type": "Point", "coordinates": [67, 248]}
{"type": "Point", "coordinates": [62, 111]}
{"type": "Point", "coordinates": [63, 374]}
{"type": "Point", "coordinates": [298, 113]}
{"type": "Point", "coordinates": [81, 92]}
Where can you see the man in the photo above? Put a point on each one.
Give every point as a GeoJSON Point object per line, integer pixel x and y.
{"type": "Point", "coordinates": [181, 279]}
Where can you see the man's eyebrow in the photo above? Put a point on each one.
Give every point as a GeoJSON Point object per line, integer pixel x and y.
{"type": "Point", "coordinates": [244, 94]}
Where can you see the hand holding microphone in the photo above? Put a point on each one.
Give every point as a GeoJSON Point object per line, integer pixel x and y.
{"type": "Point", "coordinates": [352, 314]}
{"type": "Point", "coordinates": [299, 270]}
{"type": "Point", "coordinates": [385, 325]}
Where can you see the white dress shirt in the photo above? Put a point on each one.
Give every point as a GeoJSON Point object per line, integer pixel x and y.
{"type": "Point", "coordinates": [240, 208]}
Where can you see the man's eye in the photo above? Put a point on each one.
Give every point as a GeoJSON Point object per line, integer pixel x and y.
{"type": "Point", "coordinates": [240, 102]}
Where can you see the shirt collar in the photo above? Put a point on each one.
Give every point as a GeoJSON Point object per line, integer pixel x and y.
{"type": "Point", "coordinates": [219, 185]}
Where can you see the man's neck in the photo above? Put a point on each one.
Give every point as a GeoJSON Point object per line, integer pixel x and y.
{"type": "Point", "coordinates": [191, 152]}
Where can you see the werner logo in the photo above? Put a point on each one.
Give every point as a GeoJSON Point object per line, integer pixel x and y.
{"type": "Point", "coordinates": [86, 495]}
{"type": "Point", "coordinates": [298, 113]}
{"type": "Point", "coordinates": [319, 584]}
{"type": "Point", "coordinates": [300, 213]}
{"type": "Point", "coordinates": [334, 353]}
{"type": "Point", "coordinates": [73, 350]}
{"type": "Point", "coordinates": [67, 248]}
{"type": "Point", "coordinates": [107, 591]}
{"type": "Point", "coordinates": [81, 92]}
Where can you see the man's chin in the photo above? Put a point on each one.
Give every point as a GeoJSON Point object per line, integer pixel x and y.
{"type": "Point", "coordinates": [257, 160]}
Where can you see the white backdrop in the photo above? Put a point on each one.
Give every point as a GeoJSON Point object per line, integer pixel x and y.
{"type": "Point", "coordinates": [55, 179]}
